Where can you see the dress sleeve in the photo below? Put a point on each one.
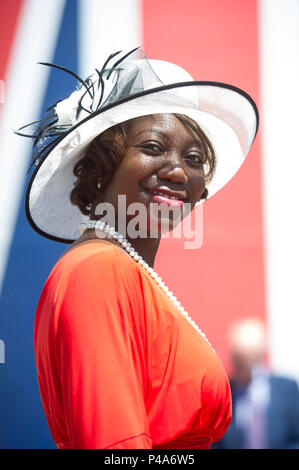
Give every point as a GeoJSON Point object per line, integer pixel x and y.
{"type": "Point", "coordinates": [99, 342]}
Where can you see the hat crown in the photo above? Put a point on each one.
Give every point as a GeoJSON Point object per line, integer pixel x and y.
{"type": "Point", "coordinates": [169, 72]}
{"type": "Point", "coordinates": [129, 78]}
{"type": "Point", "coordinates": [137, 76]}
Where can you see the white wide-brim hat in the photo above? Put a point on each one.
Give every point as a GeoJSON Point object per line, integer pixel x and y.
{"type": "Point", "coordinates": [130, 88]}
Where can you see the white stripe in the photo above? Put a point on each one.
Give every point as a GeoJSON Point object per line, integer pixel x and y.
{"type": "Point", "coordinates": [25, 84]}
{"type": "Point", "coordinates": [279, 48]}
{"type": "Point", "coordinates": [106, 27]}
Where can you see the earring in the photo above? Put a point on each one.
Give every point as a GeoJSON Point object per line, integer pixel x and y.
{"type": "Point", "coordinates": [99, 185]}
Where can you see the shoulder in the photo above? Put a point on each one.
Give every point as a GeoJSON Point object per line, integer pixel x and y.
{"type": "Point", "coordinates": [285, 389]}
{"type": "Point", "coordinates": [94, 260]}
{"type": "Point", "coordinates": [94, 251]}
{"type": "Point", "coordinates": [95, 270]}
{"type": "Point", "coordinates": [92, 284]}
{"type": "Point", "coordinates": [284, 382]}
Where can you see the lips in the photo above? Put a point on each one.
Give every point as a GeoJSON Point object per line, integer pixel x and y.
{"type": "Point", "coordinates": [168, 193]}
{"type": "Point", "coordinates": [166, 198]}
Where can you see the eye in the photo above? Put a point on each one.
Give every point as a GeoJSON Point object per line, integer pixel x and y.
{"type": "Point", "coordinates": [151, 147]}
{"type": "Point", "coordinates": [196, 157]}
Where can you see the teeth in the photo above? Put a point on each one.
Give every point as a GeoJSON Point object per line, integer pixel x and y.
{"type": "Point", "coordinates": [168, 197]}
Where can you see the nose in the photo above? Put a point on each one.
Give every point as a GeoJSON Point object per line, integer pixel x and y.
{"type": "Point", "coordinates": [173, 170]}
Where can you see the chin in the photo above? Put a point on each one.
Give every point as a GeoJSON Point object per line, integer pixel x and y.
{"type": "Point", "coordinates": [159, 226]}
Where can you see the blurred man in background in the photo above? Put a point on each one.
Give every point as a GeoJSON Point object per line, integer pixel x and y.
{"type": "Point", "coordinates": [265, 406]}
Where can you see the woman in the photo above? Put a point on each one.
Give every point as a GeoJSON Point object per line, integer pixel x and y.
{"type": "Point", "coordinates": [120, 363]}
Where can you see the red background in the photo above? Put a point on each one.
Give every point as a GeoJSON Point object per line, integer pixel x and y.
{"type": "Point", "coordinates": [224, 279]}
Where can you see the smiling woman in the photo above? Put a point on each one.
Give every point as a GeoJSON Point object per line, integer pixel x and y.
{"type": "Point", "coordinates": [135, 158]}
{"type": "Point", "coordinates": [107, 150]}
{"type": "Point", "coordinates": [120, 362]}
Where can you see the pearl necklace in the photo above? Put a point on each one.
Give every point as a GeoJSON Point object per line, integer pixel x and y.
{"type": "Point", "coordinates": [107, 229]}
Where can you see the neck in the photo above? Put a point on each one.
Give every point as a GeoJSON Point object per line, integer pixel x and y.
{"type": "Point", "coordinates": [146, 247]}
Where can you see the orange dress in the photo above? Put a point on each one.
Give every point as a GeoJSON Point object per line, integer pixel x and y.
{"type": "Point", "coordinates": [118, 365]}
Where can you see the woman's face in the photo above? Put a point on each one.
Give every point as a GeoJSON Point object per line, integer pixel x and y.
{"type": "Point", "coordinates": [162, 155]}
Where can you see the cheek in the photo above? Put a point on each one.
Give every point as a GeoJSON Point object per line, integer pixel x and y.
{"type": "Point", "coordinates": [127, 178]}
{"type": "Point", "coordinates": [140, 165]}
{"type": "Point", "coordinates": [135, 172]}
{"type": "Point", "coordinates": [197, 185]}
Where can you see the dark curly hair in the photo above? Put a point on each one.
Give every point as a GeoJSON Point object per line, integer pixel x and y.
{"type": "Point", "coordinates": [105, 154]}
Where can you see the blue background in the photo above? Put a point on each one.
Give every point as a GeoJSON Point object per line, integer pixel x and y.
{"type": "Point", "coordinates": [22, 420]}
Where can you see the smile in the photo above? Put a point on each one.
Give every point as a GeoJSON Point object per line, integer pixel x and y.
{"type": "Point", "coordinates": [161, 197]}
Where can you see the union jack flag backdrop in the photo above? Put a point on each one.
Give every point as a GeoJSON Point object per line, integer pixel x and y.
{"type": "Point", "coordinates": [248, 263]}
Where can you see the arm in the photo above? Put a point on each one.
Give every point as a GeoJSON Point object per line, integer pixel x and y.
{"type": "Point", "coordinates": [99, 348]}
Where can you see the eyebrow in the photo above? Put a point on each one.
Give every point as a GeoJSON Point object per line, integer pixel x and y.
{"type": "Point", "coordinates": [154, 130]}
